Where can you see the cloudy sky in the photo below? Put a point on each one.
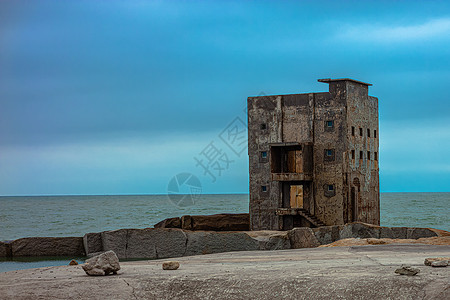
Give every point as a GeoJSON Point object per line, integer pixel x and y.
{"type": "Point", "coordinates": [117, 97]}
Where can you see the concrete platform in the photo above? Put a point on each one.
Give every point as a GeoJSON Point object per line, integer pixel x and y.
{"type": "Point", "coordinates": [363, 272]}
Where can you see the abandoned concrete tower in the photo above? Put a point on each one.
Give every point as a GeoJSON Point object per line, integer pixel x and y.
{"type": "Point", "coordinates": [313, 157]}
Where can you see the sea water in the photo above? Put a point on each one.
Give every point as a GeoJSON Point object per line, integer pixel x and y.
{"type": "Point", "coordinates": [56, 216]}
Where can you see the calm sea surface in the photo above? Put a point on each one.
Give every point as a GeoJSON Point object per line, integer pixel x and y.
{"type": "Point", "coordinates": [76, 215]}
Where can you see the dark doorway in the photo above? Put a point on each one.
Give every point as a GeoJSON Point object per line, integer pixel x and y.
{"type": "Point", "coordinates": [353, 205]}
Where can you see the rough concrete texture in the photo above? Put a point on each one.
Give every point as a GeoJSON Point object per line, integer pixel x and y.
{"type": "Point", "coordinates": [48, 246]}
{"type": "Point", "coordinates": [365, 272]}
{"type": "Point", "coordinates": [92, 242]}
{"type": "Point", "coordinates": [303, 238]}
{"type": "Point", "coordinates": [271, 240]}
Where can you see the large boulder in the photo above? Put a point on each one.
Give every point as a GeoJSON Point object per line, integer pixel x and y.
{"type": "Point", "coordinates": [48, 246]}
{"type": "Point", "coordinates": [169, 223]}
{"type": "Point", "coordinates": [303, 237]}
{"type": "Point", "coordinates": [219, 222]}
{"type": "Point", "coordinates": [5, 249]}
{"type": "Point", "coordinates": [92, 243]}
{"type": "Point", "coordinates": [393, 232]}
{"type": "Point", "coordinates": [149, 243]}
{"type": "Point", "coordinates": [206, 242]}
{"type": "Point", "coordinates": [102, 264]}
{"type": "Point", "coordinates": [327, 234]}
{"type": "Point", "coordinates": [271, 240]}
{"type": "Point", "coordinates": [417, 233]}
{"type": "Point", "coordinates": [360, 230]}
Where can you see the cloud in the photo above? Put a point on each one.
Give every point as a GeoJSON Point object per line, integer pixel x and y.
{"type": "Point", "coordinates": [400, 33]}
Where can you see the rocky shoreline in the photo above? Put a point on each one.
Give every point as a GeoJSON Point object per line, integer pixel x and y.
{"type": "Point", "coordinates": [361, 272]}
{"type": "Point", "coordinates": [157, 243]}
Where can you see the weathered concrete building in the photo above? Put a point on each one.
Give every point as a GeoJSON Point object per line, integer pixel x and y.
{"type": "Point", "coordinates": [313, 158]}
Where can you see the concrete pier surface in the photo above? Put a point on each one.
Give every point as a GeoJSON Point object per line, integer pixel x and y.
{"type": "Point", "coordinates": [360, 272]}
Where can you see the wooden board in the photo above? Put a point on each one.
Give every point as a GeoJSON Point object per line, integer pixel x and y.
{"type": "Point", "coordinates": [296, 196]}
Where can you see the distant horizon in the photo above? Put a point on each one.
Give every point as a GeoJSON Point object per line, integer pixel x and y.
{"type": "Point", "coordinates": [162, 194]}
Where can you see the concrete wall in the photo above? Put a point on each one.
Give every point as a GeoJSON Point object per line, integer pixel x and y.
{"type": "Point", "coordinates": [302, 118]}
{"type": "Point", "coordinates": [263, 110]}
{"type": "Point", "coordinates": [363, 174]}
{"type": "Point", "coordinates": [329, 170]}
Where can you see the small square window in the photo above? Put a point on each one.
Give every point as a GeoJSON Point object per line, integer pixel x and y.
{"type": "Point", "coordinates": [360, 155]}
{"type": "Point", "coordinates": [375, 154]}
{"type": "Point", "coordinates": [263, 154]}
{"type": "Point", "coordinates": [360, 131]}
{"type": "Point", "coordinates": [368, 155]}
{"type": "Point", "coordinates": [353, 130]}
{"type": "Point", "coordinates": [263, 126]}
{"type": "Point", "coordinates": [330, 187]}
{"type": "Point", "coordinates": [264, 188]}
{"type": "Point", "coordinates": [375, 133]}
{"type": "Point", "coordinates": [329, 152]}
{"type": "Point", "coordinates": [368, 132]}
{"type": "Point", "coordinates": [353, 154]}
{"type": "Point", "coordinates": [329, 124]}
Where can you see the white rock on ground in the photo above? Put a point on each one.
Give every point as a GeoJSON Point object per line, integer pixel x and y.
{"type": "Point", "coordinates": [102, 264]}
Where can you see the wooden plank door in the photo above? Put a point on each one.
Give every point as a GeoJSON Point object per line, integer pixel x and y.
{"type": "Point", "coordinates": [296, 196]}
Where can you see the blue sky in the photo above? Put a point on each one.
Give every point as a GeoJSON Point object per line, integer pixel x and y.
{"type": "Point", "coordinates": [117, 97]}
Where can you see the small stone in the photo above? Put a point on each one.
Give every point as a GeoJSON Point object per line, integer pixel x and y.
{"type": "Point", "coordinates": [407, 270]}
{"type": "Point", "coordinates": [170, 265]}
{"type": "Point", "coordinates": [102, 264]}
{"type": "Point", "coordinates": [73, 262]}
{"type": "Point", "coordinates": [439, 263]}
{"type": "Point", "coordinates": [429, 261]}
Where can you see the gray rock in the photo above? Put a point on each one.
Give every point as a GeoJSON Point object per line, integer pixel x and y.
{"type": "Point", "coordinates": [429, 261]}
{"type": "Point", "coordinates": [206, 242]}
{"type": "Point", "coordinates": [48, 246]}
{"type": "Point", "coordinates": [360, 230]}
{"type": "Point", "coordinates": [327, 234]}
{"type": "Point", "coordinates": [393, 232]}
{"type": "Point", "coordinates": [186, 222]}
{"type": "Point", "coordinates": [5, 250]}
{"type": "Point", "coordinates": [169, 223]}
{"type": "Point", "coordinates": [221, 222]}
{"type": "Point", "coordinates": [102, 264]}
{"type": "Point", "coordinates": [116, 240]}
{"type": "Point", "coordinates": [302, 238]}
{"type": "Point", "coordinates": [149, 243]}
{"type": "Point", "coordinates": [271, 240]}
{"type": "Point", "coordinates": [417, 233]}
{"type": "Point", "coordinates": [170, 265]}
{"type": "Point", "coordinates": [439, 263]}
{"type": "Point", "coordinates": [92, 243]}
{"type": "Point", "coordinates": [407, 270]}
